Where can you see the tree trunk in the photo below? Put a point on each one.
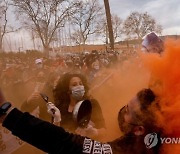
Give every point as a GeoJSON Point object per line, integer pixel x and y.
{"type": "Point", "coordinates": [127, 43]}
{"type": "Point", "coordinates": [109, 23]}
{"type": "Point", "coordinates": [0, 41]}
{"type": "Point", "coordinates": [1, 49]}
{"type": "Point", "coordinates": [46, 51]}
{"type": "Point", "coordinates": [84, 44]}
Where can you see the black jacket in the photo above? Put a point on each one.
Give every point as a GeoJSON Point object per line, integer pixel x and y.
{"type": "Point", "coordinates": [55, 140]}
{"type": "Point", "coordinates": [48, 137]}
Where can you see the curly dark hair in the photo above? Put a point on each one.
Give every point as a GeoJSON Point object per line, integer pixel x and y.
{"type": "Point", "coordinates": [146, 97]}
{"type": "Point", "coordinates": [61, 91]}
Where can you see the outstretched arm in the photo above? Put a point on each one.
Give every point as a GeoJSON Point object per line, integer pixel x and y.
{"type": "Point", "coordinates": [41, 134]}
{"type": "Point", "coordinates": [48, 137]}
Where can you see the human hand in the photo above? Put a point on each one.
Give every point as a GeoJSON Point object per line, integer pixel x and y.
{"type": "Point", "coordinates": [54, 111]}
{"type": "Point", "coordinates": [5, 108]}
{"type": "Point", "coordinates": [2, 101]}
{"type": "Point", "coordinates": [89, 131]}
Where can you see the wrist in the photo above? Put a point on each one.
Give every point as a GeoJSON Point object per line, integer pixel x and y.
{"type": "Point", "coordinates": [56, 120]}
{"type": "Point", "coordinates": [9, 110]}
{"type": "Point", "coordinates": [3, 115]}
{"type": "Point", "coordinates": [6, 114]}
{"type": "Point", "coordinates": [4, 108]}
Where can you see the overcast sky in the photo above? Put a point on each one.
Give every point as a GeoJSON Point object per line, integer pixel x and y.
{"type": "Point", "coordinates": [165, 12]}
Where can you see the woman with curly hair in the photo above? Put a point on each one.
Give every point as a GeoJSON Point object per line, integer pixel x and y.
{"type": "Point", "coordinates": [70, 89]}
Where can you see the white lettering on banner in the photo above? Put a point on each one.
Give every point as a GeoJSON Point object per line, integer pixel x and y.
{"type": "Point", "coordinates": [106, 149]}
{"type": "Point", "coordinates": [97, 148]}
{"type": "Point", "coordinates": [87, 146]}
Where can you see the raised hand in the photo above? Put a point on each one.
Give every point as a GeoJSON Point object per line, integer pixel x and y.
{"type": "Point", "coordinates": [54, 111]}
{"type": "Point", "coordinates": [89, 131]}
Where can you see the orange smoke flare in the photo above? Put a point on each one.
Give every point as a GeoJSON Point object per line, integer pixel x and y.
{"type": "Point", "coordinates": [132, 76]}
{"type": "Point", "coordinates": [166, 70]}
{"type": "Point", "coordinates": [126, 80]}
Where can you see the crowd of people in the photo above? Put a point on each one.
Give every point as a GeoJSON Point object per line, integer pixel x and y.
{"type": "Point", "coordinates": [18, 75]}
{"type": "Point", "coordinates": [66, 81]}
{"type": "Point", "coordinates": [24, 77]}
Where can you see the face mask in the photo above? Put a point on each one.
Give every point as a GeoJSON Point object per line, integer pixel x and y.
{"type": "Point", "coordinates": [96, 67]}
{"type": "Point", "coordinates": [78, 92]}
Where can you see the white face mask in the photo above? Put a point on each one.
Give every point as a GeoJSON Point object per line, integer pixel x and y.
{"type": "Point", "coordinates": [78, 92]}
{"type": "Point", "coordinates": [96, 67]}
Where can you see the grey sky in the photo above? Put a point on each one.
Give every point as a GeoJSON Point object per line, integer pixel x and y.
{"type": "Point", "coordinates": [165, 12]}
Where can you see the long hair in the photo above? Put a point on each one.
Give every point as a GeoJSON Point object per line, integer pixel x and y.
{"type": "Point", "coordinates": [61, 91]}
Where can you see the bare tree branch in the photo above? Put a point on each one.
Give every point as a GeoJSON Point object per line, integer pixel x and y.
{"type": "Point", "coordinates": [45, 16]}
{"type": "Point", "coordinates": [3, 21]}
{"type": "Point", "coordinates": [139, 24]}
{"type": "Point", "coordinates": [86, 21]}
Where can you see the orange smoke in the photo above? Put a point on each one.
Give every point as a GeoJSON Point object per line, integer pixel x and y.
{"type": "Point", "coordinates": [124, 82]}
{"type": "Point", "coordinates": [165, 69]}
{"type": "Point", "coordinates": [163, 72]}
